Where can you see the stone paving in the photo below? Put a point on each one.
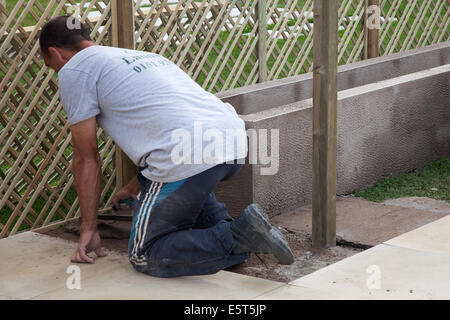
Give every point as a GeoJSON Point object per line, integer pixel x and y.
{"type": "Point", "coordinates": [412, 265]}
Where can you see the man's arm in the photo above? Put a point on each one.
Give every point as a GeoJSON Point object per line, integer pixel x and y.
{"type": "Point", "coordinates": [86, 167]}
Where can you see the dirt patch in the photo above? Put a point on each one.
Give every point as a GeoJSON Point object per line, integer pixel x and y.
{"type": "Point", "coordinates": [307, 259]}
{"type": "Point", "coordinates": [115, 236]}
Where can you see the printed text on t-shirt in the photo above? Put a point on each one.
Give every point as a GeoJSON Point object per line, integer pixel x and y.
{"type": "Point", "coordinates": [145, 61]}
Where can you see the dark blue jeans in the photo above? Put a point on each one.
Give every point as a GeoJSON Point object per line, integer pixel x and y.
{"type": "Point", "coordinates": [180, 229]}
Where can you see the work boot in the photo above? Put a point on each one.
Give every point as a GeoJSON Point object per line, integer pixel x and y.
{"type": "Point", "coordinates": [254, 233]}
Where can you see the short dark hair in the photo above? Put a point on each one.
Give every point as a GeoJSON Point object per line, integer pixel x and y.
{"type": "Point", "coordinates": [57, 33]}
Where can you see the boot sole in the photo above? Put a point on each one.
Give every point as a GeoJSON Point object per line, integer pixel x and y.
{"type": "Point", "coordinates": [285, 256]}
{"type": "Point", "coordinates": [278, 244]}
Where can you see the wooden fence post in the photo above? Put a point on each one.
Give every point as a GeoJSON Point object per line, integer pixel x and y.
{"type": "Point", "coordinates": [123, 37]}
{"type": "Point", "coordinates": [261, 16]}
{"type": "Point", "coordinates": [371, 29]}
{"type": "Point", "coordinates": [324, 123]}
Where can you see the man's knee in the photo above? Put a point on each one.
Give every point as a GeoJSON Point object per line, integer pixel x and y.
{"type": "Point", "coordinates": [144, 266]}
{"type": "Point", "coordinates": [163, 268]}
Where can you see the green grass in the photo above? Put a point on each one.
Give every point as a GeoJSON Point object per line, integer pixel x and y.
{"type": "Point", "coordinates": [29, 20]}
{"type": "Point", "coordinates": [432, 181]}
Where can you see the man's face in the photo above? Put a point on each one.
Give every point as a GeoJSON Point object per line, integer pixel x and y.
{"type": "Point", "coordinates": [55, 59]}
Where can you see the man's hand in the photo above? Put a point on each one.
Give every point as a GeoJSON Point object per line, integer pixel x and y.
{"type": "Point", "coordinates": [89, 241]}
{"type": "Point", "coordinates": [122, 194]}
{"type": "Point", "coordinates": [129, 191]}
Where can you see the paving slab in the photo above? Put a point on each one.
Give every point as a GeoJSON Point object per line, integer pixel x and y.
{"type": "Point", "coordinates": [413, 265]}
{"type": "Point", "coordinates": [433, 237]}
{"type": "Point", "coordinates": [402, 273]}
{"type": "Point", "coordinates": [362, 221]}
{"type": "Point", "coordinates": [125, 283]}
{"type": "Point", "coordinates": [34, 266]}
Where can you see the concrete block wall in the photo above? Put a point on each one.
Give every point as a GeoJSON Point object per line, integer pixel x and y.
{"type": "Point", "coordinates": [270, 94]}
{"type": "Point", "coordinates": [385, 127]}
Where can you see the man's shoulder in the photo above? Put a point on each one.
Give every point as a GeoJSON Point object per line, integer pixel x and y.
{"type": "Point", "coordinates": [86, 61]}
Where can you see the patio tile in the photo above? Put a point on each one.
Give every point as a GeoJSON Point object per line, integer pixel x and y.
{"type": "Point", "coordinates": [125, 283]}
{"type": "Point", "coordinates": [32, 263]}
{"type": "Point", "coordinates": [403, 273]}
{"type": "Point", "coordinates": [34, 266]}
{"type": "Point", "coordinates": [433, 237]}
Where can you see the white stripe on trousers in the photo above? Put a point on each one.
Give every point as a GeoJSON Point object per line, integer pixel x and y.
{"type": "Point", "coordinates": [147, 213]}
{"type": "Point", "coordinates": [142, 213]}
{"type": "Point", "coordinates": [143, 217]}
{"type": "Point", "coordinates": [144, 208]}
{"type": "Point", "coordinates": [139, 218]}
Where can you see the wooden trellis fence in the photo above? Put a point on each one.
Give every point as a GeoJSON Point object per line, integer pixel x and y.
{"type": "Point", "coordinates": [221, 44]}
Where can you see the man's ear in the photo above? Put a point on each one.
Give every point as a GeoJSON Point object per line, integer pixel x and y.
{"type": "Point", "coordinates": [55, 53]}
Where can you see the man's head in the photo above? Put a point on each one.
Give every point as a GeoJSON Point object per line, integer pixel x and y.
{"type": "Point", "coordinates": [59, 41]}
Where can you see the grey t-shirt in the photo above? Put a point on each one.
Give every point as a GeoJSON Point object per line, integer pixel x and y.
{"type": "Point", "coordinates": [163, 120]}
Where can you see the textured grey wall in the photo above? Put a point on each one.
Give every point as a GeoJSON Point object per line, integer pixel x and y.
{"type": "Point", "coordinates": [391, 126]}
{"type": "Point", "coordinates": [276, 93]}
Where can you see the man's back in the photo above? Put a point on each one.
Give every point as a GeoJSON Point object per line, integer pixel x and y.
{"type": "Point", "coordinates": [140, 99]}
